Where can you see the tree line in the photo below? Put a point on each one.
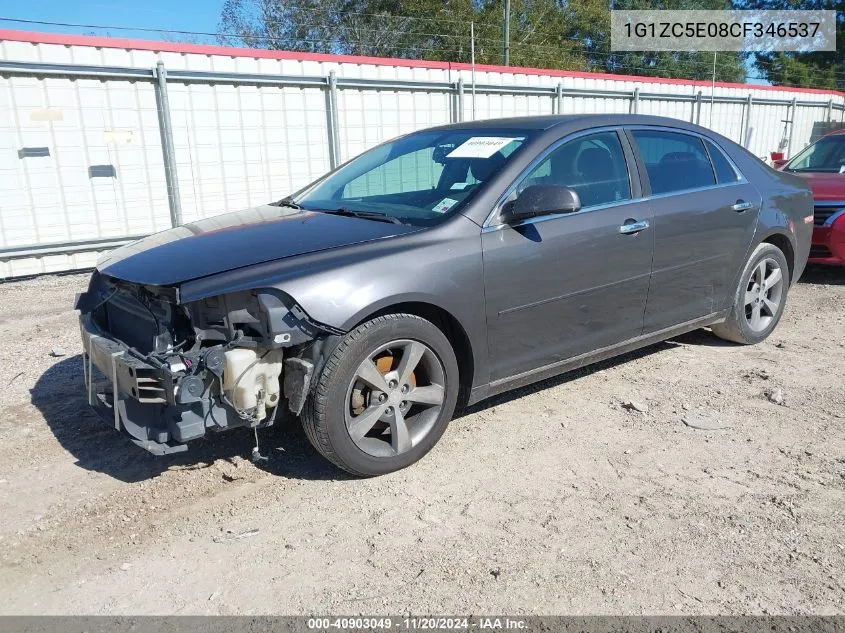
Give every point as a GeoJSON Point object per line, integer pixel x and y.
{"type": "Point", "coordinates": [562, 34]}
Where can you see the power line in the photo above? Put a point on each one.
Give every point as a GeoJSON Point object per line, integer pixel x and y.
{"type": "Point", "coordinates": [585, 56]}
{"type": "Point", "coordinates": [463, 23]}
{"type": "Point", "coordinates": [176, 31]}
{"type": "Point", "coordinates": [272, 38]}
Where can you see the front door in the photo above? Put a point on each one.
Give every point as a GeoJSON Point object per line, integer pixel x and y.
{"type": "Point", "coordinates": [562, 285]}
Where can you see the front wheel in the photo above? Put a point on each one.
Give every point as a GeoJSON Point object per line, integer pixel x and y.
{"type": "Point", "coordinates": [760, 297]}
{"type": "Point", "coordinates": [384, 396]}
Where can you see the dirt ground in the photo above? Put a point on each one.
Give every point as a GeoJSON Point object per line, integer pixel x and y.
{"type": "Point", "coordinates": [555, 499]}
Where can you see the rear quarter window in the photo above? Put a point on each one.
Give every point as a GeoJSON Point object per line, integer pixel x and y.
{"type": "Point", "coordinates": [725, 173]}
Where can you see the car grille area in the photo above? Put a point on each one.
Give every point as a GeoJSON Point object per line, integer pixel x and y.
{"type": "Point", "coordinates": [822, 213]}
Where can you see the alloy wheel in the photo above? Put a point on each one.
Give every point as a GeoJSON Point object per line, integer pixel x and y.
{"type": "Point", "coordinates": [763, 294]}
{"type": "Point", "coordinates": [395, 398]}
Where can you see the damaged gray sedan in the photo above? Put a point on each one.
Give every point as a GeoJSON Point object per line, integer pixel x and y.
{"type": "Point", "coordinates": [434, 271]}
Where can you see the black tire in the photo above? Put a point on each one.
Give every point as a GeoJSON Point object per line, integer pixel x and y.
{"type": "Point", "coordinates": [736, 327]}
{"type": "Point", "coordinates": [324, 414]}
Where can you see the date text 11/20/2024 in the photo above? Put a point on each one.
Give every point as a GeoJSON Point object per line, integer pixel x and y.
{"type": "Point", "coordinates": [417, 623]}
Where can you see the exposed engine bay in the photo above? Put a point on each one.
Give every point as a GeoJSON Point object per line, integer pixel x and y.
{"type": "Point", "coordinates": [166, 373]}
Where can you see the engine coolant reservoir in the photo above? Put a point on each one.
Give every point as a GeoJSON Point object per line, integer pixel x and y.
{"type": "Point", "coordinates": [251, 379]}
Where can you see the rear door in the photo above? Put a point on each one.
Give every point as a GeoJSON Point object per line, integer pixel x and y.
{"type": "Point", "coordinates": [705, 213]}
{"type": "Point", "coordinates": [561, 285]}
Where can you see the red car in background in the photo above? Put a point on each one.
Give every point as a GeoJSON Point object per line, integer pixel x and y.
{"type": "Point", "coordinates": [822, 164]}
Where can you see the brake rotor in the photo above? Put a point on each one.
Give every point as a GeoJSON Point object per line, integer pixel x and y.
{"type": "Point", "coordinates": [385, 363]}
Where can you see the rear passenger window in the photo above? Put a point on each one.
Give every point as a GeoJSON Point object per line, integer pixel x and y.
{"type": "Point", "coordinates": [674, 162]}
{"type": "Point", "coordinates": [724, 172]}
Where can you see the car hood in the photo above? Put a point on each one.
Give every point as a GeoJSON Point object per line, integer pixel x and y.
{"type": "Point", "coordinates": [235, 240]}
{"type": "Point", "coordinates": [825, 186]}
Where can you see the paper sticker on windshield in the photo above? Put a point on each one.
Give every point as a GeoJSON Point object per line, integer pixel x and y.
{"type": "Point", "coordinates": [459, 185]}
{"type": "Point", "coordinates": [444, 205]}
{"type": "Point", "coordinates": [480, 147]}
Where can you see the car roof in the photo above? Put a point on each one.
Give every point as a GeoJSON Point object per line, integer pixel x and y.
{"type": "Point", "coordinates": [576, 121]}
{"type": "Point", "coordinates": [836, 132]}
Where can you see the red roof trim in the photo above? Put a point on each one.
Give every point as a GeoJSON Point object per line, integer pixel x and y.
{"type": "Point", "coordinates": [228, 51]}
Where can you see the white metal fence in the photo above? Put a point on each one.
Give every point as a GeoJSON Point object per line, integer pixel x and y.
{"type": "Point", "coordinates": [103, 141]}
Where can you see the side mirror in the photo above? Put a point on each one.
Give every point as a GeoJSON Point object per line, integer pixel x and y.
{"type": "Point", "coordinates": [540, 200]}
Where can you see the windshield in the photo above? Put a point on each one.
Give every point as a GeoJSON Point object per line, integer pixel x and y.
{"type": "Point", "coordinates": [418, 179]}
{"type": "Point", "coordinates": [827, 154]}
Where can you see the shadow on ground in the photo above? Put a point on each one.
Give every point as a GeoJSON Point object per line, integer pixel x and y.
{"type": "Point", "coordinates": [59, 395]}
{"type": "Point", "coordinates": [823, 275]}
{"type": "Point", "coordinates": [696, 337]}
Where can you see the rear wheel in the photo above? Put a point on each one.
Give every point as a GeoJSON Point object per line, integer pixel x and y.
{"type": "Point", "coordinates": [760, 298]}
{"type": "Point", "coordinates": [384, 396]}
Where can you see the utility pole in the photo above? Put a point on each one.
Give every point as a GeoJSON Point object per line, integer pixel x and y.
{"type": "Point", "coordinates": [472, 55]}
{"type": "Point", "coordinates": [507, 34]}
{"type": "Point", "coordinates": [713, 90]}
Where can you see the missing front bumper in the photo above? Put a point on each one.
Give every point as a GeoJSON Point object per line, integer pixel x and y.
{"type": "Point", "coordinates": [156, 407]}
{"type": "Point", "coordinates": [132, 395]}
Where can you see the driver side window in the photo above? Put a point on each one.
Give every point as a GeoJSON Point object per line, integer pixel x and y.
{"type": "Point", "coordinates": [594, 166]}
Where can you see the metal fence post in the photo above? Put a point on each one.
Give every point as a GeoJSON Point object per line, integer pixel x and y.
{"type": "Point", "coordinates": [635, 101]}
{"type": "Point", "coordinates": [746, 116]}
{"type": "Point", "coordinates": [698, 108]}
{"type": "Point", "coordinates": [791, 126]}
{"type": "Point", "coordinates": [332, 121]}
{"type": "Point", "coordinates": [166, 130]}
{"type": "Point", "coordinates": [559, 97]}
{"type": "Point", "coordinates": [830, 110]}
{"type": "Point", "coordinates": [460, 116]}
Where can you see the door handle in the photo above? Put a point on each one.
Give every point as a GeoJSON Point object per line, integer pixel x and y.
{"type": "Point", "coordinates": [742, 205]}
{"type": "Point", "coordinates": [633, 226]}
